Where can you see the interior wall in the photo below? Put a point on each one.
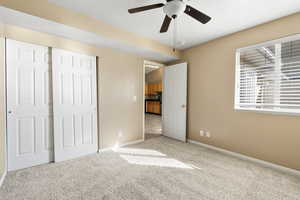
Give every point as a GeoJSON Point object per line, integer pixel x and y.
{"type": "Point", "coordinates": [2, 104]}
{"type": "Point", "coordinates": [120, 86]}
{"type": "Point", "coordinates": [155, 76]}
{"type": "Point", "coordinates": [273, 138]}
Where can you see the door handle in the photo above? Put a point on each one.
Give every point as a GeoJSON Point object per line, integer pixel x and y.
{"type": "Point", "coordinates": [183, 106]}
{"type": "Point", "coordinates": [9, 112]}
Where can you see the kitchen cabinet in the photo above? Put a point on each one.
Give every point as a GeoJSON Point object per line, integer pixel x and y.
{"type": "Point", "coordinates": [156, 107]}
{"type": "Point", "coordinates": [153, 107]}
{"type": "Point", "coordinates": [146, 89]}
{"type": "Point", "coordinates": [159, 87]}
{"type": "Point", "coordinates": [153, 88]}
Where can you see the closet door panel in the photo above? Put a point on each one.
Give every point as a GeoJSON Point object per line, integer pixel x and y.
{"type": "Point", "coordinates": [29, 111]}
{"type": "Point", "coordinates": [74, 104]}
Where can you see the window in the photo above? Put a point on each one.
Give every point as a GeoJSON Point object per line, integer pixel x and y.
{"type": "Point", "coordinates": [268, 76]}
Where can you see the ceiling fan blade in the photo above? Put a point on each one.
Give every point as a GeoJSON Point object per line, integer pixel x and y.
{"type": "Point", "coordinates": [166, 24]}
{"type": "Point", "coordinates": [144, 8]}
{"type": "Point", "coordinates": [196, 14]}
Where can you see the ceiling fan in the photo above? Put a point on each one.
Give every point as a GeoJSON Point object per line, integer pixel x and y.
{"type": "Point", "coordinates": [173, 9]}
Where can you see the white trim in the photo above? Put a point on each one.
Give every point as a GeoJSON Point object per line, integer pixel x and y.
{"type": "Point", "coordinates": [237, 78]}
{"type": "Point", "coordinates": [5, 116]}
{"type": "Point", "coordinates": [266, 111]}
{"type": "Point", "coordinates": [98, 77]}
{"type": "Point", "coordinates": [143, 99]}
{"type": "Point", "coordinates": [241, 156]}
{"type": "Point", "coordinates": [3, 177]}
{"type": "Point", "coordinates": [119, 146]}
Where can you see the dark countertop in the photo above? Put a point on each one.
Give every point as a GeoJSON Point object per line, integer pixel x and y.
{"type": "Point", "coordinates": [152, 100]}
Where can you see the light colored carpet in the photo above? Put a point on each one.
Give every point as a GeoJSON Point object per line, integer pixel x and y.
{"type": "Point", "coordinates": [153, 124]}
{"type": "Point", "coordinates": [159, 168]}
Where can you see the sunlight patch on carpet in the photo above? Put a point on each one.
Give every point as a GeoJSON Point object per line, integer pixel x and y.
{"type": "Point", "coordinates": [155, 161]}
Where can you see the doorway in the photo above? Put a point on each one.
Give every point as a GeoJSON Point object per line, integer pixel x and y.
{"type": "Point", "coordinates": [153, 79]}
{"type": "Point", "coordinates": [165, 100]}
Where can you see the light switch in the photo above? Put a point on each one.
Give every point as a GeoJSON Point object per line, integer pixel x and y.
{"type": "Point", "coordinates": [134, 98]}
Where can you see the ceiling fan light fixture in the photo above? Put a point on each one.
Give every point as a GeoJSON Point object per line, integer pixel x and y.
{"type": "Point", "coordinates": [174, 8]}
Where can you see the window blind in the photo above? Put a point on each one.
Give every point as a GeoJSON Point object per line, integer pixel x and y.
{"type": "Point", "coordinates": [268, 76]}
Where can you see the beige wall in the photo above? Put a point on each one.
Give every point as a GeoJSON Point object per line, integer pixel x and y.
{"type": "Point", "coordinates": [273, 138]}
{"type": "Point", "coordinates": [2, 105]}
{"type": "Point", "coordinates": [154, 76]}
{"type": "Point", "coordinates": [120, 78]}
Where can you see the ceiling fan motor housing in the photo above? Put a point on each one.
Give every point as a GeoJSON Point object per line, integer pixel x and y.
{"type": "Point", "coordinates": [174, 8]}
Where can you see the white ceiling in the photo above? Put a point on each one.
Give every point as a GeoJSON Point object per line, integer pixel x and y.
{"type": "Point", "coordinates": [229, 16]}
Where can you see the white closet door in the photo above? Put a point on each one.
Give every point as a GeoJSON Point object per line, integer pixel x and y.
{"type": "Point", "coordinates": [174, 101]}
{"type": "Point", "coordinates": [29, 112]}
{"type": "Point", "coordinates": [74, 104]}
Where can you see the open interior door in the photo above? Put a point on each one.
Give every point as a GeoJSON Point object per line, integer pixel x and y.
{"type": "Point", "coordinates": [175, 101]}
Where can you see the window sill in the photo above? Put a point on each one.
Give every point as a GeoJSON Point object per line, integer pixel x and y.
{"type": "Point", "coordinates": [267, 111]}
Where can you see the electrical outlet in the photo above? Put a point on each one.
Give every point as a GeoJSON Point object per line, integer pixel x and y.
{"type": "Point", "coordinates": [201, 133]}
{"type": "Point", "coordinates": [208, 134]}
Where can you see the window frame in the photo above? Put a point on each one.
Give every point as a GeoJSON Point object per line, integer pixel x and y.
{"type": "Point", "coordinates": [237, 107]}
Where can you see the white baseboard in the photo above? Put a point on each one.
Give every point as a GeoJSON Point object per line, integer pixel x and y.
{"type": "Point", "coordinates": [121, 145]}
{"type": "Point", "coordinates": [3, 177]}
{"type": "Point", "coordinates": [241, 156]}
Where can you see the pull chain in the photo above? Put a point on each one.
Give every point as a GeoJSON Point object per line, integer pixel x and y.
{"type": "Point", "coordinates": [175, 34]}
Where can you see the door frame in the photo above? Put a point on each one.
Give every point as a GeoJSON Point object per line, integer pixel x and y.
{"type": "Point", "coordinates": [147, 62]}
{"type": "Point", "coordinates": [5, 109]}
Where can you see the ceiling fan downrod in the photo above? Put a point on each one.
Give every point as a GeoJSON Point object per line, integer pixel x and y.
{"type": "Point", "coordinates": [175, 34]}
